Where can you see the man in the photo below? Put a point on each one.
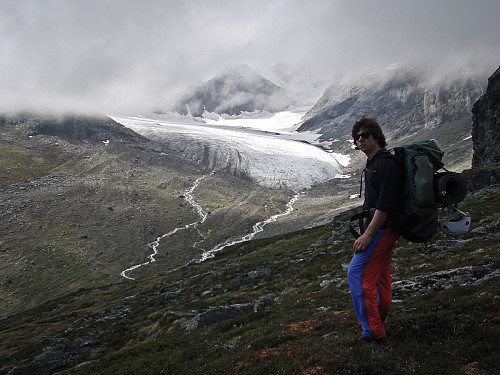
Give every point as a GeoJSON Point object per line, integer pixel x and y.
{"type": "Point", "coordinates": [369, 273]}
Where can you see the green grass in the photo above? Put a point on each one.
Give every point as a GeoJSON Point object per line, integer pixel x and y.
{"type": "Point", "coordinates": [437, 333]}
{"type": "Point", "coordinates": [19, 163]}
{"type": "Point", "coordinates": [438, 342]}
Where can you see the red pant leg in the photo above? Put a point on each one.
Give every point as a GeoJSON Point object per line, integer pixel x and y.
{"type": "Point", "coordinates": [376, 283]}
{"type": "Point", "coordinates": [385, 290]}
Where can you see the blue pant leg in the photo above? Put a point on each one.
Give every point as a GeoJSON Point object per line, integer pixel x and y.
{"type": "Point", "coordinates": [354, 276]}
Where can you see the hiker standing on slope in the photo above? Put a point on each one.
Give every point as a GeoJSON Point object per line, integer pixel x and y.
{"type": "Point", "coordinates": [369, 273]}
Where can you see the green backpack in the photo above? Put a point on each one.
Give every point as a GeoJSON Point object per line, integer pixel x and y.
{"type": "Point", "coordinates": [424, 189]}
{"type": "Point", "coordinates": [420, 162]}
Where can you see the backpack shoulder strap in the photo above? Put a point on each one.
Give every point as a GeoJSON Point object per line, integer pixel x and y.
{"type": "Point", "coordinates": [376, 161]}
{"type": "Point", "coordinates": [360, 216]}
{"type": "Point", "coordinates": [378, 158]}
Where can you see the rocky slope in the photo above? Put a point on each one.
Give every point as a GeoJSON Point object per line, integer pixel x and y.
{"type": "Point", "coordinates": [486, 124]}
{"type": "Point", "coordinates": [407, 106]}
{"type": "Point", "coordinates": [82, 197]}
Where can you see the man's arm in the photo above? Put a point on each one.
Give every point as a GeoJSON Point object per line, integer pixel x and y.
{"type": "Point", "coordinates": [364, 240]}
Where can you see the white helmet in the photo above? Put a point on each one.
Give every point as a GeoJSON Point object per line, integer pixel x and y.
{"type": "Point", "coordinates": [459, 224]}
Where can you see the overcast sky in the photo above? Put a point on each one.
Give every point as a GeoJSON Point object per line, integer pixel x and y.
{"type": "Point", "coordinates": [111, 55]}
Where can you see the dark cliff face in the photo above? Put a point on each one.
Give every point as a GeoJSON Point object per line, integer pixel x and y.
{"type": "Point", "coordinates": [486, 125]}
{"type": "Point", "coordinates": [404, 104]}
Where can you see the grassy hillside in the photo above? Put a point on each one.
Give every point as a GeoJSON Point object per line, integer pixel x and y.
{"type": "Point", "coordinates": [444, 323]}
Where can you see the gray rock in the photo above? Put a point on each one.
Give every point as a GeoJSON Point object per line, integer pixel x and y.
{"type": "Point", "coordinates": [480, 231]}
{"type": "Point", "coordinates": [221, 313]}
{"type": "Point", "coordinates": [422, 284]}
{"type": "Point", "coordinates": [52, 359]}
{"type": "Point", "coordinates": [442, 245]}
{"type": "Point", "coordinates": [252, 275]}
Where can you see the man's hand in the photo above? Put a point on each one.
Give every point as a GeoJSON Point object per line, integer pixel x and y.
{"type": "Point", "coordinates": [362, 242]}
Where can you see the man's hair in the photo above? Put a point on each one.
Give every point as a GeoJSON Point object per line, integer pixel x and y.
{"type": "Point", "coordinates": [371, 126]}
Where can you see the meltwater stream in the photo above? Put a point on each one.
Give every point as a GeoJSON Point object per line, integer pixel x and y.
{"type": "Point", "coordinates": [257, 228]}
{"type": "Point", "coordinates": [202, 214]}
{"type": "Point", "coordinates": [154, 245]}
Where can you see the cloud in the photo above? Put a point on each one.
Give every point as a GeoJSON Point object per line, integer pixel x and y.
{"type": "Point", "coordinates": [124, 55]}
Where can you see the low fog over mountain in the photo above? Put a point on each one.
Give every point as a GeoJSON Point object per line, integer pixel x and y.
{"type": "Point", "coordinates": [109, 56]}
{"type": "Point", "coordinates": [238, 89]}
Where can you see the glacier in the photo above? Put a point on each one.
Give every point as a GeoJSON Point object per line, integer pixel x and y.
{"type": "Point", "coordinates": [263, 147]}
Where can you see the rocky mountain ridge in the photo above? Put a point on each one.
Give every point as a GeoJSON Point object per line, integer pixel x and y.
{"type": "Point", "coordinates": [408, 108]}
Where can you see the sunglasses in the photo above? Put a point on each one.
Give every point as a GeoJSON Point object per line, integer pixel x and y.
{"type": "Point", "coordinates": [362, 135]}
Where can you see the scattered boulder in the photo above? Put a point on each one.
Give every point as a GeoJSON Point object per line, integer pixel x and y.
{"type": "Point", "coordinates": [252, 275]}
{"type": "Point", "coordinates": [52, 359]}
{"type": "Point", "coordinates": [441, 280]}
{"type": "Point", "coordinates": [442, 245]}
{"type": "Point", "coordinates": [221, 313]}
{"type": "Point", "coordinates": [170, 293]}
{"type": "Point", "coordinates": [480, 231]}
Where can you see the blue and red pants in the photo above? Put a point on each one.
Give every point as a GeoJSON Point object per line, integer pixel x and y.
{"type": "Point", "coordinates": [369, 276]}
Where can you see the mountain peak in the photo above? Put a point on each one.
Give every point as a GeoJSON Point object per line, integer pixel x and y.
{"type": "Point", "coordinates": [237, 89]}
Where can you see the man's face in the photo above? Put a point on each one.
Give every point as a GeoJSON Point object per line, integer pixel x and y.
{"type": "Point", "coordinates": [366, 142]}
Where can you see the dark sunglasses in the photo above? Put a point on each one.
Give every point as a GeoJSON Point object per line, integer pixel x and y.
{"type": "Point", "coordinates": [362, 135]}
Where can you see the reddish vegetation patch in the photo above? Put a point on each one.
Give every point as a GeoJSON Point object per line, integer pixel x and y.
{"type": "Point", "coordinates": [269, 354]}
{"type": "Point", "coordinates": [303, 327]}
{"type": "Point", "coordinates": [293, 350]}
{"type": "Point", "coordinates": [471, 369]}
{"type": "Point", "coordinates": [493, 321]}
{"type": "Point", "coordinates": [240, 365]}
